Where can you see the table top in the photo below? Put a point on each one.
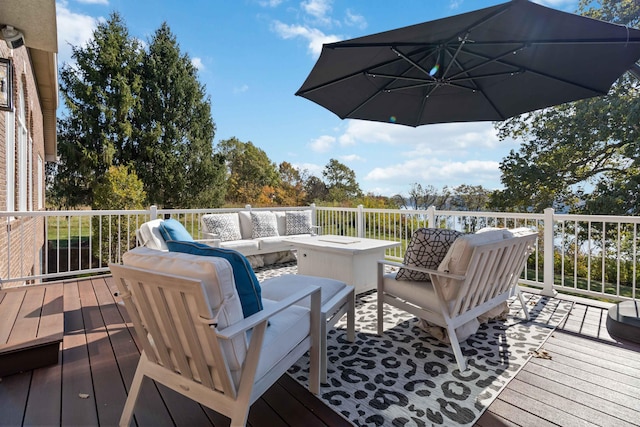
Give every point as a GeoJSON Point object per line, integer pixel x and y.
{"type": "Point", "coordinates": [341, 243]}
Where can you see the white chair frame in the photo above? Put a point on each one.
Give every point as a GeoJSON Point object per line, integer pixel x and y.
{"type": "Point", "coordinates": [188, 357]}
{"type": "Point", "coordinates": [490, 279]}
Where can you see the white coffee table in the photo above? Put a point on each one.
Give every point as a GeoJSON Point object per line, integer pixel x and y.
{"type": "Point", "coordinates": [349, 259]}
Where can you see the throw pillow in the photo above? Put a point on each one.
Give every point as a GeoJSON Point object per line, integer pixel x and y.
{"type": "Point", "coordinates": [426, 249]}
{"type": "Point", "coordinates": [298, 222]}
{"type": "Point", "coordinates": [226, 226]}
{"type": "Point", "coordinates": [172, 229]}
{"type": "Point", "coordinates": [264, 224]}
{"type": "Point", "coordinates": [247, 283]}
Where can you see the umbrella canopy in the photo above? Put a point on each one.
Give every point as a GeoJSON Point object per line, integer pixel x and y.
{"type": "Point", "coordinates": [490, 64]}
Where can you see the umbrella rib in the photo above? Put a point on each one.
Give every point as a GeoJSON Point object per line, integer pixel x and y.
{"type": "Point", "coordinates": [531, 70]}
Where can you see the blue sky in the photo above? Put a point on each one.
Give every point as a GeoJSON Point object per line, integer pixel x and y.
{"type": "Point", "coordinates": [252, 56]}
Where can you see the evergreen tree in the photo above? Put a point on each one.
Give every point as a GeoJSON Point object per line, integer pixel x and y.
{"type": "Point", "coordinates": [100, 92]}
{"type": "Point", "coordinates": [174, 156]}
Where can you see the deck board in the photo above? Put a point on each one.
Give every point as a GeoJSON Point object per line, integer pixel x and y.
{"type": "Point", "coordinates": [589, 380]}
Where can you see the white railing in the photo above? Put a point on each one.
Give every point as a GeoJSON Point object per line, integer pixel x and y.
{"type": "Point", "coordinates": [589, 255]}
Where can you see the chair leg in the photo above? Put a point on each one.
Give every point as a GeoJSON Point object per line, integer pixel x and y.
{"type": "Point", "coordinates": [323, 346]}
{"type": "Point", "coordinates": [134, 390]}
{"type": "Point", "coordinates": [523, 304]}
{"type": "Point", "coordinates": [457, 351]}
{"type": "Point", "coordinates": [351, 316]}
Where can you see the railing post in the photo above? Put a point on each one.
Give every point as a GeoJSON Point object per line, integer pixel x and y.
{"type": "Point", "coordinates": [547, 289]}
{"type": "Point", "coordinates": [360, 221]}
{"type": "Point", "coordinates": [431, 216]}
{"type": "Point", "coordinates": [314, 220]}
{"type": "Point", "coordinates": [153, 212]}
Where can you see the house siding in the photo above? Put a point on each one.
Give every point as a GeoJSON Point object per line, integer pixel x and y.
{"type": "Point", "coordinates": [22, 237]}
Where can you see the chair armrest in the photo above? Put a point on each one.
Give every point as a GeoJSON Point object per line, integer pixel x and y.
{"type": "Point", "coordinates": [264, 314]}
{"type": "Point", "coordinates": [422, 270]}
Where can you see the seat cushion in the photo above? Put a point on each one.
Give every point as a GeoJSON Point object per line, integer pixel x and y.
{"type": "Point", "coordinates": [247, 283]}
{"type": "Point", "coordinates": [426, 249]}
{"type": "Point", "coordinates": [226, 225]}
{"type": "Point", "coordinates": [285, 331]}
{"type": "Point", "coordinates": [278, 288]}
{"type": "Point", "coordinates": [172, 229]}
{"type": "Point", "coordinates": [216, 275]}
{"type": "Point", "coordinates": [274, 244]}
{"type": "Point", "coordinates": [246, 246]}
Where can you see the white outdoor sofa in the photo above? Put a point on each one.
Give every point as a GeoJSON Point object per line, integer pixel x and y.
{"type": "Point", "coordinates": [257, 232]}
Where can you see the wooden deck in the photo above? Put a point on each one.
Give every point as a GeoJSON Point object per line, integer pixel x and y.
{"type": "Point", "coordinates": [589, 380]}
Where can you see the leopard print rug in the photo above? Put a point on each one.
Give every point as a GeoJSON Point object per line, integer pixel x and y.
{"type": "Point", "coordinates": [407, 378]}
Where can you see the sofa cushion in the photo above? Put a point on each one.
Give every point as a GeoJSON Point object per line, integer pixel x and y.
{"type": "Point", "coordinates": [264, 224]}
{"type": "Point", "coordinates": [426, 249]}
{"type": "Point", "coordinates": [150, 236]}
{"type": "Point", "coordinates": [278, 288]}
{"type": "Point", "coordinates": [247, 283]}
{"type": "Point", "coordinates": [226, 225]}
{"type": "Point", "coordinates": [298, 222]}
{"type": "Point", "coordinates": [281, 221]}
{"type": "Point", "coordinates": [172, 229]}
{"type": "Point", "coordinates": [245, 246]}
{"type": "Point", "coordinates": [246, 225]}
{"type": "Point", "coordinates": [217, 278]}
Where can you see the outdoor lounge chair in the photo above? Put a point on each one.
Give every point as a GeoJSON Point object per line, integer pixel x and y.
{"type": "Point", "coordinates": [196, 341]}
{"type": "Point", "coordinates": [477, 275]}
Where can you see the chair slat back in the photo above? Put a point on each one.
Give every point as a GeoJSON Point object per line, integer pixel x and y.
{"type": "Point", "coordinates": [493, 270]}
{"type": "Point", "coordinates": [172, 318]}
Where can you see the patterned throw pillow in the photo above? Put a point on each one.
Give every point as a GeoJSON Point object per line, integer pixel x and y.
{"type": "Point", "coordinates": [226, 226]}
{"type": "Point", "coordinates": [298, 222]}
{"type": "Point", "coordinates": [264, 224]}
{"type": "Point", "coordinates": [426, 249]}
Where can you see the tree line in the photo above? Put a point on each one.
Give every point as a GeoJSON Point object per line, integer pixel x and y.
{"type": "Point", "coordinates": [137, 118]}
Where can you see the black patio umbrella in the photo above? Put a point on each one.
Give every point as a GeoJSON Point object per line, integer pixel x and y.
{"type": "Point", "coordinates": [490, 64]}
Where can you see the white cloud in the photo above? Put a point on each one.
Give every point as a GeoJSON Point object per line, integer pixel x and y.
{"type": "Point", "coordinates": [354, 20]}
{"type": "Point", "coordinates": [319, 9]}
{"type": "Point", "coordinates": [436, 172]}
{"type": "Point", "coordinates": [351, 158]}
{"type": "Point", "coordinates": [74, 29]}
{"type": "Point", "coordinates": [314, 36]}
{"type": "Point", "coordinates": [197, 62]}
{"type": "Point", "coordinates": [270, 3]}
{"type": "Point", "coordinates": [322, 144]}
{"type": "Point", "coordinates": [242, 89]}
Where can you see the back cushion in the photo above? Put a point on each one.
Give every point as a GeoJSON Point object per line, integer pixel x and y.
{"type": "Point", "coordinates": [298, 222]}
{"type": "Point", "coordinates": [246, 226]}
{"type": "Point", "coordinates": [247, 284]}
{"type": "Point", "coordinates": [457, 259]}
{"type": "Point", "coordinates": [172, 229]}
{"type": "Point", "coordinates": [150, 235]}
{"type": "Point", "coordinates": [264, 224]}
{"type": "Point", "coordinates": [426, 249]}
{"type": "Point", "coordinates": [216, 275]}
{"type": "Point", "coordinates": [226, 225]}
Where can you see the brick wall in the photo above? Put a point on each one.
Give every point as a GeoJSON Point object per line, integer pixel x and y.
{"type": "Point", "coordinates": [22, 237]}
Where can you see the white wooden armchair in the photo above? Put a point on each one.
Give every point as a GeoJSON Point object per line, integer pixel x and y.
{"type": "Point", "coordinates": [478, 273]}
{"type": "Point", "coordinates": [207, 354]}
